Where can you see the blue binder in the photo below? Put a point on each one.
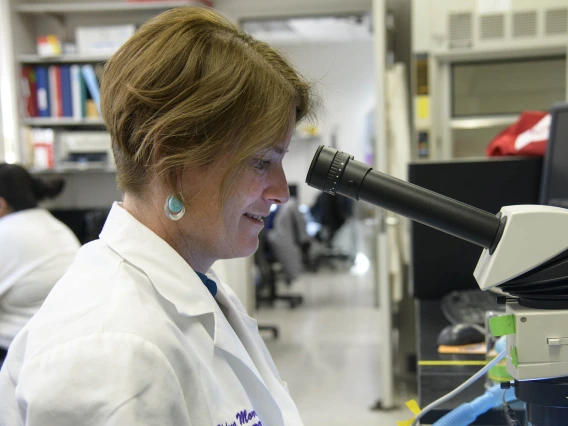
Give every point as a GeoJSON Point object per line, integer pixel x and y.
{"type": "Point", "coordinates": [66, 91]}
{"type": "Point", "coordinates": [88, 72]}
{"type": "Point", "coordinates": [42, 88]}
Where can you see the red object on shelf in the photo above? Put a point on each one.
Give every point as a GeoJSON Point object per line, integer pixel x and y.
{"type": "Point", "coordinates": [42, 143]}
{"type": "Point", "coordinates": [528, 136]}
{"type": "Point", "coordinates": [45, 151]}
{"type": "Point", "coordinates": [29, 89]}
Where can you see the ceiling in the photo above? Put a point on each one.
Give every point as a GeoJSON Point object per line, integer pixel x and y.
{"type": "Point", "coordinates": [328, 29]}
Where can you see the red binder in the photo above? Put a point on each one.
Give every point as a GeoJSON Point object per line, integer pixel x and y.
{"type": "Point", "coordinates": [29, 91]}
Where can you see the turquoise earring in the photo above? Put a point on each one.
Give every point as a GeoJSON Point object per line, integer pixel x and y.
{"type": "Point", "coordinates": [174, 208]}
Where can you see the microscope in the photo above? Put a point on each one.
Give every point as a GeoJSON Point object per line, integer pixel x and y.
{"type": "Point", "coordinates": [525, 255]}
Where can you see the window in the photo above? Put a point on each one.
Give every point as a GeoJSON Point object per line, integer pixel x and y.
{"type": "Point", "coordinates": [507, 87]}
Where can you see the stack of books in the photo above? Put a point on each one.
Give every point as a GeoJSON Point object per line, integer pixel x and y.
{"type": "Point", "coordinates": [56, 91]}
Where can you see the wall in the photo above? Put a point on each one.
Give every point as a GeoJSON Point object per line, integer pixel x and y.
{"type": "Point", "coordinates": [1, 129]}
{"type": "Point", "coordinates": [345, 80]}
{"type": "Point", "coordinates": [240, 9]}
{"type": "Point", "coordinates": [1, 73]}
{"type": "Point", "coordinates": [8, 114]}
{"type": "Point", "coordinates": [403, 37]}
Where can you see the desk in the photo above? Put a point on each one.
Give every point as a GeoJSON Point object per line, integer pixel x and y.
{"type": "Point", "coordinates": [438, 374]}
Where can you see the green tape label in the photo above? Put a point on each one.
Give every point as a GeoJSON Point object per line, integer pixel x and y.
{"type": "Point", "coordinates": [514, 358]}
{"type": "Point", "coordinates": [499, 374]}
{"type": "Point", "coordinates": [502, 326]}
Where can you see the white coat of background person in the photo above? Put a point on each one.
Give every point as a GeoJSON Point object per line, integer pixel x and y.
{"type": "Point", "coordinates": [140, 331]}
{"type": "Point", "coordinates": [35, 248]}
{"type": "Point", "coordinates": [288, 239]}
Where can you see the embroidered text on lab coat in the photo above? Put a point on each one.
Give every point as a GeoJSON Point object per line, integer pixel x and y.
{"type": "Point", "coordinates": [243, 418]}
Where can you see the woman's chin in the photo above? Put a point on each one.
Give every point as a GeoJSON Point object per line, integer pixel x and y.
{"type": "Point", "coordinates": [249, 248]}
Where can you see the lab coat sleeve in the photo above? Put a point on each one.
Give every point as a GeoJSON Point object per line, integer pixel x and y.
{"type": "Point", "coordinates": [110, 379]}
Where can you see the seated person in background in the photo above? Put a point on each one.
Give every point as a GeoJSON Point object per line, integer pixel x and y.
{"type": "Point", "coordinates": [289, 240]}
{"type": "Point", "coordinates": [35, 248]}
{"type": "Point", "coordinates": [331, 211]}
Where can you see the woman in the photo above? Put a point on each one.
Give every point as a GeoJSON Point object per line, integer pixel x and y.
{"type": "Point", "coordinates": [140, 330]}
{"type": "Point", "coordinates": [35, 249]}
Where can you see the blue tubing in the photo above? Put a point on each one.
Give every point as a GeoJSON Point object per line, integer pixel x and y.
{"type": "Point", "coordinates": [466, 413]}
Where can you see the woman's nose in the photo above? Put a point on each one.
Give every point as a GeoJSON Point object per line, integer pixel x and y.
{"type": "Point", "coordinates": [277, 192]}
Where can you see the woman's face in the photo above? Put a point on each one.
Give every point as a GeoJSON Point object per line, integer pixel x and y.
{"type": "Point", "coordinates": [209, 232]}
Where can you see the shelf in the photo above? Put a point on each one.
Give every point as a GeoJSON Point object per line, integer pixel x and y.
{"type": "Point", "coordinates": [56, 122]}
{"type": "Point", "coordinates": [35, 59]}
{"type": "Point", "coordinates": [118, 6]}
{"type": "Point", "coordinates": [483, 122]}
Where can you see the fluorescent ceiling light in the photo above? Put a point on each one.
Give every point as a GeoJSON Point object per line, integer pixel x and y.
{"type": "Point", "coordinates": [330, 29]}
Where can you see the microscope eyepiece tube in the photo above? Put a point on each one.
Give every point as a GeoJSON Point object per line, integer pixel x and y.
{"type": "Point", "coordinates": [334, 171]}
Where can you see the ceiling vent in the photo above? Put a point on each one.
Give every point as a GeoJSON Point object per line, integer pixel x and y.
{"type": "Point", "coordinates": [556, 22]}
{"type": "Point", "coordinates": [460, 30]}
{"type": "Point", "coordinates": [525, 24]}
{"type": "Point", "coordinates": [492, 27]}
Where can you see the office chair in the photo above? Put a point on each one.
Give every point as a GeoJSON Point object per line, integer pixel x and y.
{"type": "Point", "coordinates": [266, 264]}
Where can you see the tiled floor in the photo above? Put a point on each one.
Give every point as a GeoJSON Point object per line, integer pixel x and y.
{"type": "Point", "coordinates": [329, 348]}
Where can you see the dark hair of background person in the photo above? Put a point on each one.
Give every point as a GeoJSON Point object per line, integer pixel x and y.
{"type": "Point", "coordinates": [23, 191]}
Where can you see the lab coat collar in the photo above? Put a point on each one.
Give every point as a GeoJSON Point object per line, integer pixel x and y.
{"type": "Point", "coordinates": [170, 274]}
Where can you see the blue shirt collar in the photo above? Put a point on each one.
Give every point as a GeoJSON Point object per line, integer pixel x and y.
{"type": "Point", "coordinates": [209, 283]}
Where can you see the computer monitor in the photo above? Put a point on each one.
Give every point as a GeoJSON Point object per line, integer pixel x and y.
{"type": "Point", "coordinates": [554, 187]}
{"type": "Point", "coordinates": [441, 263]}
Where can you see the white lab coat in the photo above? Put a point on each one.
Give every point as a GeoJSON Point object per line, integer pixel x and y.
{"type": "Point", "coordinates": [35, 251]}
{"type": "Point", "coordinates": [131, 336]}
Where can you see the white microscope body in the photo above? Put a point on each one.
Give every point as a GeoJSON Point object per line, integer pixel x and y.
{"type": "Point", "coordinates": [533, 235]}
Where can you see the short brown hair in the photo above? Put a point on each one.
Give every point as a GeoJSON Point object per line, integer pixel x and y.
{"type": "Point", "coordinates": [190, 85]}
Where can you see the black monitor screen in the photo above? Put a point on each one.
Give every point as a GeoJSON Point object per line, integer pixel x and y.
{"type": "Point", "coordinates": [555, 172]}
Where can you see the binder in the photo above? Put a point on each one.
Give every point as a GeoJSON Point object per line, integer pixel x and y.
{"type": "Point", "coordinates": [42, 84]}
{"type": "Point", "coordinates": [88, 73]}
{"type": "Point", "coordinates": [77, 99]}
{"type": "Point", "coordinates": [66, 99]}
{"type": "Point", "coordinates": [29, 91]}
{"type": "Point", "coordinates": [55, 95]}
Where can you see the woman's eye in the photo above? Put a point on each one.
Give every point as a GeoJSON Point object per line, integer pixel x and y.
{"type": "Point", "coordinates": [261, 164]}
